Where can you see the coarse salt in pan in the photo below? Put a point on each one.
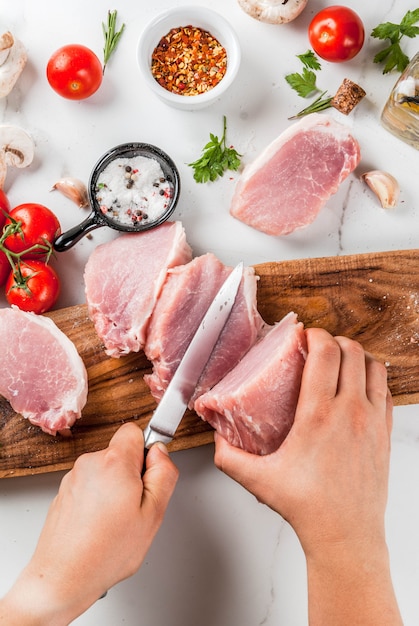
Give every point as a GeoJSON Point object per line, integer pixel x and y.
{"type": "Point", "coordinates": [133, 190]}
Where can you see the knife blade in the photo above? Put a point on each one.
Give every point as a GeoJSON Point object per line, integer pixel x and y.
{"type": "Point", "coordinates": [174, 402]}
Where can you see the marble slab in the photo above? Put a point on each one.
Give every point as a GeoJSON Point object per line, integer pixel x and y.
{"type": "Point", "coordinates": [220, 558]}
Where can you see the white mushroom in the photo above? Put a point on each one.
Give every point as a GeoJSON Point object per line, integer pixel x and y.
{"type": "Point", "coordinates": [273, 11]}
{"type": "Point", "coordinates": [385, 187]}
{"type": "Point", "coordinates": [6, 43]}
{"type": "Point", "coordinates": [16, 149]}
{"type": "Point", "coordinates": [12, 61]}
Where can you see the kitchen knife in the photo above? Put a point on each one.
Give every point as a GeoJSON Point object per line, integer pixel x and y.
{"type": "Point", "coordinates": [174, 402]}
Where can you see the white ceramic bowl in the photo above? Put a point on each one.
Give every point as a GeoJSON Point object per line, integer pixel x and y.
{"type": "Point", "coordinates": [199, 17]}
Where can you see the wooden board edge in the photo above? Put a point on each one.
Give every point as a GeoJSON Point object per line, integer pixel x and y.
{"type": "Point", "coordinates": [178, 444]}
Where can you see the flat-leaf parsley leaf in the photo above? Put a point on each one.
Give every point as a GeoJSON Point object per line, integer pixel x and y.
{"type": "Point", "coordinates": [216, 158]}
{"type": "Point", "coordinates": [393, 56]}
{"type": "Point", "coordinates": [309, 59]}
{"type": "Point", "coordinates": [305, 83]}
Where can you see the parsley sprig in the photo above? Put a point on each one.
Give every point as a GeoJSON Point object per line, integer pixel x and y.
{"type": "Point", "coordinates": [111, 36]}
{"type": "Point", "coordinates": [216, 158]}
{"type": "Point", "coordinates": [393, 56]}
{"type": "Point", "coordinates": [305, 84]}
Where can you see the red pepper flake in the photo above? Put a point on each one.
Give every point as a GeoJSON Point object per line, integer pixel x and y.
{"type": "Point", "coordinates": [188, 61]}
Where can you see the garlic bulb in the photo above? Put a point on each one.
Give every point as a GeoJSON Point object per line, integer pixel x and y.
{"type": "Point", "coordinates": [273, 11]}
{"type": "Point", "coordinates": [385, 187]}
{"type": "Point", "coordinates": [73, 189]}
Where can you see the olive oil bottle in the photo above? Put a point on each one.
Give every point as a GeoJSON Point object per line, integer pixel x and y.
{"type": "Point", "coordinates": [400, 115]}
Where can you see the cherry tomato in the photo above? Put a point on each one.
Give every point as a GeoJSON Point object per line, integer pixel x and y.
{"type": "Point", "coordinates": [336, 33]}
{"type": "Point", "coordinates": [74, 72]}
{"type": "Point", "coordinates": [38, 225]}
{"type": "Point", "coordinates": [5, 267]}
{"type": "Point", "coordinates": [4, 207]}
{"type": "Point", "coordinates": [35, 288]}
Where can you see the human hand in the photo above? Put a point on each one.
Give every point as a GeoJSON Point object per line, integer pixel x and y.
{"type": "Point", "coordinates": [329, 478]}
{"type": "Point", "coordinates": [98, 529]}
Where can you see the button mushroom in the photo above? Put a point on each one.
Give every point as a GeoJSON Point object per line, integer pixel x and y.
{"type": "Point", "coordinates": [273, 11]}
{"type": "Point", "coordinates": [12, 61]}
{"type": "Point", "coordinates": [16, 149]}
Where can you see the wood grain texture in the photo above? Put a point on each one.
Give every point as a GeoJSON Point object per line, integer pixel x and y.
{"type": "Point", "coordinates": [373, 298]}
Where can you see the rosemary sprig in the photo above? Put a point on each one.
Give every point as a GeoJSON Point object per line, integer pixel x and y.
{"type": "Point", "coordinates": [319, 104]}
{"type": "Point", "coordinates": [112, 37]}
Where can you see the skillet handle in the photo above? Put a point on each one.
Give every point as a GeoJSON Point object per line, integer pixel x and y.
{"type": "Point", "coordinates": [66, 240]}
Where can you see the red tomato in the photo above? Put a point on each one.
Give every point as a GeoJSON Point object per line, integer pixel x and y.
{"type": "Point", "coordinates": [35, 288]}
{"type": "Point", "coordinates": [74, 72]}
{"type": "Point", "coordinates": [5, 267]}
{"type": "Point", "coordinates": [336, 33]}
{"type": "Point", "coordinates": [38, 225]}
{"type": "Point", "coordinates": [4, 207]}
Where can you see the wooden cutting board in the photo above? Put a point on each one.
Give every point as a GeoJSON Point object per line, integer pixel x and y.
{"type": "Point", "coordinates": [373, 298]}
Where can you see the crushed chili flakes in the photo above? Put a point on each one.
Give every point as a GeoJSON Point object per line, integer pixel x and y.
{"type": "Point", "coordinates": [188, 61]}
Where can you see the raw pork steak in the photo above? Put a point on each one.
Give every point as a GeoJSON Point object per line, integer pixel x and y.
{"type": "Point", "coordinates": [123, 280]}
{"type": "Point", "coordinates": [186, 296]}
{"type": "Point", "coordinates": [253, 407]}
{"type": "Point", "coordinates": [42, 374]}
{"type": "Point", "coordinates": [287, 185]}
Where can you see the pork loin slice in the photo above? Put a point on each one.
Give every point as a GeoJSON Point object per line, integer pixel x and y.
{"type": "Point", "coordinates": [123, 280]}
{"type": "Point", "coordinates": [293, 178]}
{"type": "Point", "coordinates": [253, 407]}
{"type": "Point", "coordinates": [186, 296]}
{"type": "Point", "coordinates": [42, 374]}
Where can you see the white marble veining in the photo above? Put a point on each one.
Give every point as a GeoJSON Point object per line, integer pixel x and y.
{"type": "Point", "coordinates": [221, 559]}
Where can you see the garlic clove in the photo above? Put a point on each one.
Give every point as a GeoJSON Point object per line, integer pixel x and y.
{"type": "Point", "coordinates": [73, 189]}
{"type": "Point", "coordinates": [385, 187]}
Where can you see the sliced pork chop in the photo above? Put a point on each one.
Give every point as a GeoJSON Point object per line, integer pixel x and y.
{"type": "Point", "coordinates": [253, 407]}
{"type": "Point", "coordinates": [292, 179]}
{"type": "Point", "coordinates": [123, 280]}
{"type": "Point", "coordinates": [42, 374]}
{"type": "Point", "coordinates": [186, 296]}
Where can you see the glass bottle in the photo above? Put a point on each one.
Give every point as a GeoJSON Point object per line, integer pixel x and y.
{"type": "Point", "coordinates": [400, 115]}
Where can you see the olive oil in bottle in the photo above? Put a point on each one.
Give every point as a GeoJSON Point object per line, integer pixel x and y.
{"type": "Point", "coordinates": [400, 115]}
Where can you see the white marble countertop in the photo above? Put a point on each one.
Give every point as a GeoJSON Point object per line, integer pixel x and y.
{"type": "Point", "coordinates": [220, 559]}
